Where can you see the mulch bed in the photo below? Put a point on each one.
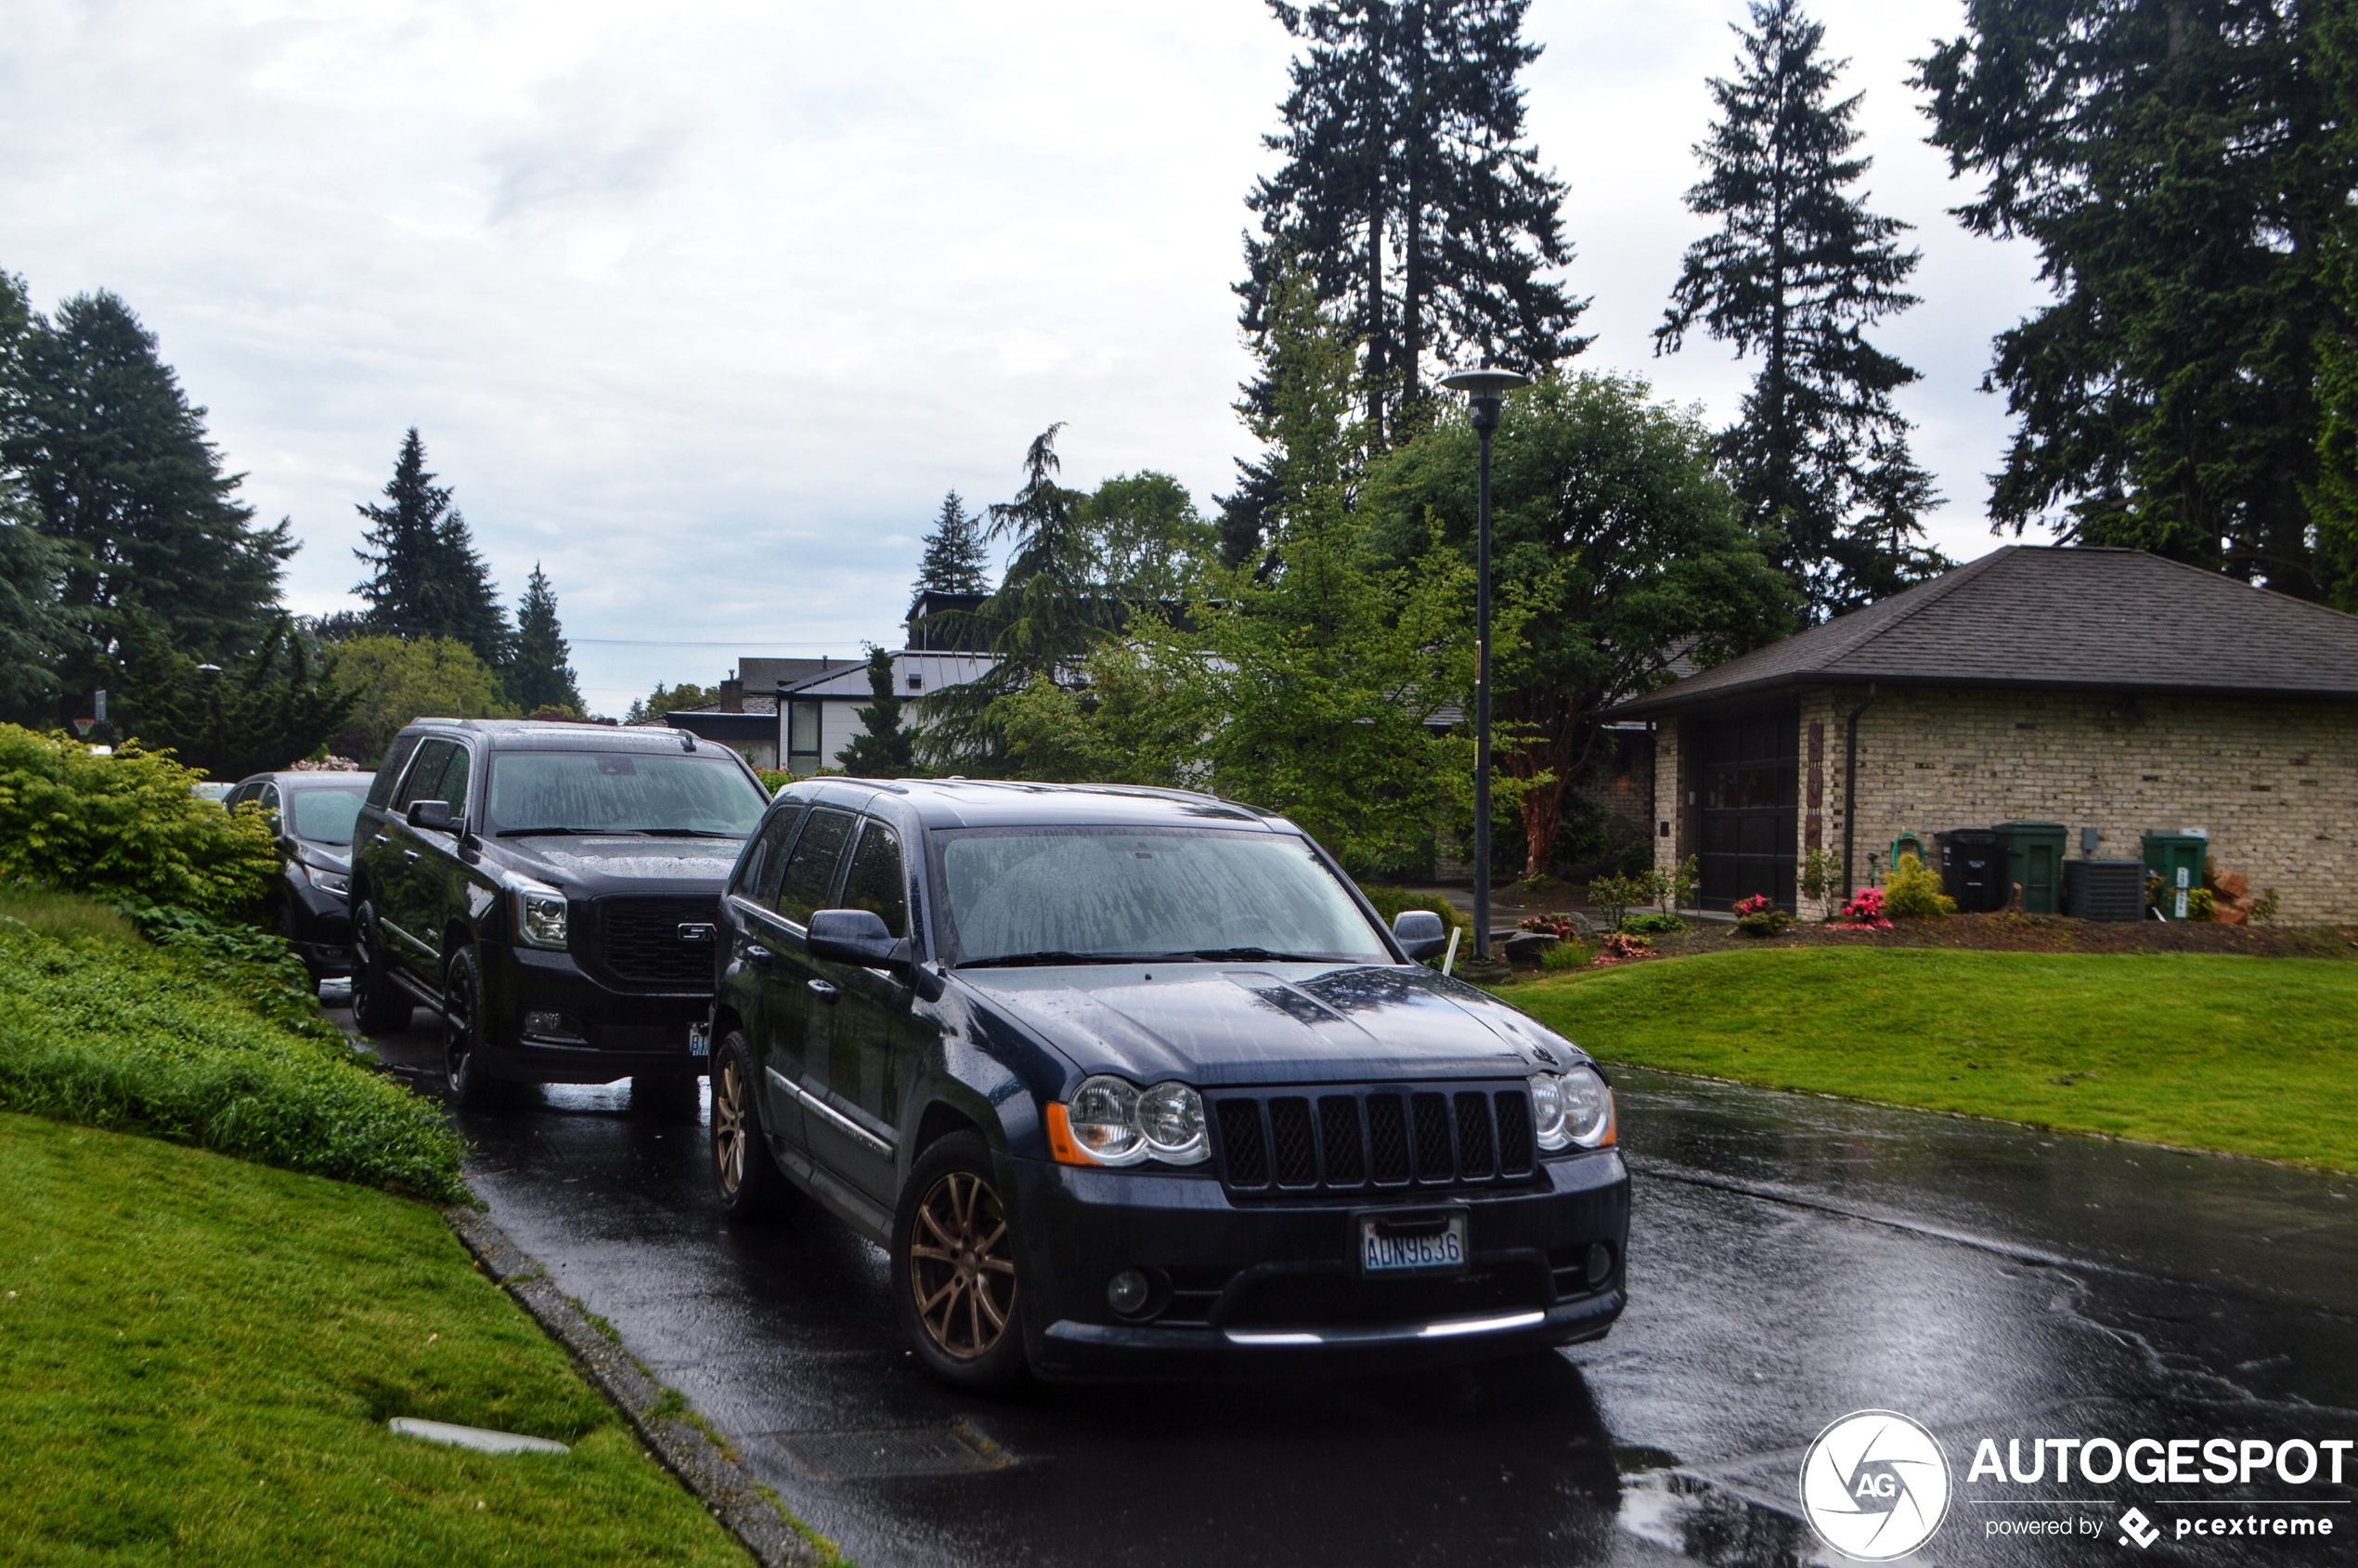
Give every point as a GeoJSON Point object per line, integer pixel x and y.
{"type": "Point", "coordinates": [2005, 932]}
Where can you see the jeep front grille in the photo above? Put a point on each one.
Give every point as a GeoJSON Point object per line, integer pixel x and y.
{"type": "Point", "coordinates": [1372, 1138]}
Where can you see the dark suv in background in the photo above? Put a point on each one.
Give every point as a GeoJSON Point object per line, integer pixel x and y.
{"type": "Point", "coordinates": [553, 890]}
{"type": "Point", "coordinates": [313, 814]}
{"type": "Point", "coordinates": [1134, 1082]}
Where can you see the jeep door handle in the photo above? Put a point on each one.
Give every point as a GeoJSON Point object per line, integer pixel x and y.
{"type": "Point", "coordinates": [823, 990]}
{"type": "Point", "coordinates": [409, 855]}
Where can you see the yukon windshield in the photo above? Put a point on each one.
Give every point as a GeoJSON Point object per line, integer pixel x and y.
{"type": "Point", "coordinates": [604, 793]}
{"type": "Point", "coordinates": [1093, 896]}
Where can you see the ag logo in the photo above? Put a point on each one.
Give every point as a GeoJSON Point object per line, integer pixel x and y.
{"type": "Point", "coordinates": [1875, 1486]}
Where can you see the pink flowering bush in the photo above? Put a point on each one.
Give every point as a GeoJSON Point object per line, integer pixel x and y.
{"type": "Point", "coordinates": [1620, 948]}
{"type": "Point", "coordinates": [1757, 917]}
{"type": "Point", "coordinates": [1864, 911]}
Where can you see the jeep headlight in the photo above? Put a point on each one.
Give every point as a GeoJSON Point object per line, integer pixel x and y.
{"type": "Point", "coordinates": [1570, 1109]}
{"type": "Point", "coordinates": [540, 919]}
{"type": "Point", "coordinates": [1110, 1121]}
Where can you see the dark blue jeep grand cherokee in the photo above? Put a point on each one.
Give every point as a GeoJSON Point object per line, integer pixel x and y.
{"type": "Point", "coordinates": [1134, 1083]}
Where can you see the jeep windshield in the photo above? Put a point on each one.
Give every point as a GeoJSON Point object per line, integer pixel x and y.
{"type": "Point", "coordinates": [650, 794]}
{"type": "Point", "coordinates": [1038, 896]}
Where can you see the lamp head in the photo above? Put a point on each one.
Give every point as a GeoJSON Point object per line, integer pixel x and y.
{"type": "Point", "coordinates": [1487, 381]}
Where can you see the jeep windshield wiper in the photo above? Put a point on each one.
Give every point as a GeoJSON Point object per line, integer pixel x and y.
{"type": "Point", "coordinates": [1020, 960]}
{"type": "Point", "coordinates": [539, 832]}
{"type": "Point", "coordinates": [680, 832]}
{"type": "Point", "coordinates": [1254, 956]}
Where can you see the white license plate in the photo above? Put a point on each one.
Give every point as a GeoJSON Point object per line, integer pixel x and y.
{"type": "Point", "coordinates": [700, 1039]}
{"type": "Point", "coordinates": [1397, 1247]}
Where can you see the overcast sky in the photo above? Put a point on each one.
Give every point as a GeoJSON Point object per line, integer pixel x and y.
{"type": "Point", "coordinates": [704, 307]}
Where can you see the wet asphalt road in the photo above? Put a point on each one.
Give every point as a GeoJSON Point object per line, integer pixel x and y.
{"type": "Point", "coordinates": [1793, 1259]}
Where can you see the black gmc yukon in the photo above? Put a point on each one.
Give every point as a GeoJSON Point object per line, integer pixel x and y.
{"type": "Point", "coordinates": [552, 890]}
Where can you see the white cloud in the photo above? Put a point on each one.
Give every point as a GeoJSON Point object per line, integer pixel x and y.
{"type": "Point", "coordinates": [704, 307]}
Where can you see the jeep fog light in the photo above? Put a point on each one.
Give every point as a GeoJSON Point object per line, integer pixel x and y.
{"type": "Point", "coordinates": [1127, 1291]}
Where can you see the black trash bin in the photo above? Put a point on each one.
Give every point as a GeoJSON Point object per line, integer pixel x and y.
{"type": "Point", "coordinates": [1972, 869]}
{"type": "Point", "coordinates": [2105, 889]}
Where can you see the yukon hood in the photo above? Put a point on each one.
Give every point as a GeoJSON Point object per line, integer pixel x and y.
{"type": "Point", "coordinates": [1285, 1023]}
{"type": "Point", "coordinates": [593, 866]}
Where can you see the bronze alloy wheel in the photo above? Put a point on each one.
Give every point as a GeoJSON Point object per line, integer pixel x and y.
{"type": "Point", "coordinates": [962, 1268]}
{"type": "Point", "coordinates": [729, 1125]}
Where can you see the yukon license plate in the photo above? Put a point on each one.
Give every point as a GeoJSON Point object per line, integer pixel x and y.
{"type": "Point", "coordinates": [1425, 1243]}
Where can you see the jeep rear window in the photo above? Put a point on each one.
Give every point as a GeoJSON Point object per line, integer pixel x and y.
{"type": "Point", "coordinates": [657, 794]}
{"type": "Point", "coordinates": [1087, 895]}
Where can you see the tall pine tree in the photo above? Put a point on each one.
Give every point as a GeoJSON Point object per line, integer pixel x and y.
{"type": "Point", "coordinates": [540, 675]}
{"type": "Point", "coordinates": [1796, 272]}
{"type": "Point", "coordinates": [1410, 193]}
{"type": "Point", "coordinates": [427, 580]}
{"type": "Point", "coordinates": [956, 559]}
{"type": "Point", "coordinates": [884, 750]}
{"type": "Point", "coordinates": [2181, 167]}
{"type": "Point", "coordinates": [120, 473]}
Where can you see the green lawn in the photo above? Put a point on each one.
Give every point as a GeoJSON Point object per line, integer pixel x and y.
{"type": "Point", "coordinates": [2252, 1056]}
{"type": "Point", "coordinates": [198, 1357]}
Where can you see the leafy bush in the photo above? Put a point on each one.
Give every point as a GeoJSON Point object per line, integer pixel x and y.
{"type": "Point", "coordinates": [2264, 908]}
{"type": "Point", "coordinates": [256, 964]}
{"type": "Point", "coordinates": [163, 1042]}
{"type": "Point", "coordinates": [1821, 874]}
{"type": "Point", "coordinates": [1654, 924]}
{"type": "Point", "coordinates": [2201, 904]}
{"type": "Point", "coordinates": [1616, 896]}
{"type": "Point", "coordinates": [123, 826]}
{"type": "Point", "coordinates": [1911, 892]}
{"type": "Point", "coordinates": [1389, 901]}
{"type": "Point", "coordinates": [1756, 916]}
{"type": "Point", "coordinates": [1564, 928]}
{"type": "Point", "coordinates": [775, 779]}
{"type": "Point", "coordinates": [1618, 947]}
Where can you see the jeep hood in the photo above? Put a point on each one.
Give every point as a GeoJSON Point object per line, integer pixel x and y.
{"type": "Point", "coordinates": [1218, 1025]}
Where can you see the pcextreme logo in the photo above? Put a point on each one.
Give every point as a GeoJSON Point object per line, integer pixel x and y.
{"type": "Point", "coordinates": [1875, 1486]}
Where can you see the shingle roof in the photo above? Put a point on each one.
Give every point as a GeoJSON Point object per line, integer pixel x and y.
{"type": "Point", "coordinates": [2060, 619]}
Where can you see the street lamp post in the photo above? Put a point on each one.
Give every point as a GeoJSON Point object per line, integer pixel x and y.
{"type": "Point", "coordinates": [1485, 389]}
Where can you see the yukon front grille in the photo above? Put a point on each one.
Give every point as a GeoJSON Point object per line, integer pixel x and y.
{"type": "Point", "coordinates": [1373, 1138]}
{"type": "Point", "coordinates": [639, 941]}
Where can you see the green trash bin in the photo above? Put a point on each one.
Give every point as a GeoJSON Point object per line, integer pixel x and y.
{"type": "Point", "coordinates": [2033, 856]}
{"type": "Point", "coordinates": [2177, 858]}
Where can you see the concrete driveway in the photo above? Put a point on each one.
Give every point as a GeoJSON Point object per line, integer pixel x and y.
{"type": "Point", "coordinates": [1793, 1259]}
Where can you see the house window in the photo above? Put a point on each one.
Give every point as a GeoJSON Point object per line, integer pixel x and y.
{"type": "Point", "coordinates": [917, 682]}
{"type": "Point", "coordinates": [803, 738]}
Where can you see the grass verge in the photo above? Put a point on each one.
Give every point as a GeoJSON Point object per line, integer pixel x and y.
{"type": "Point", "coordinates": [2247, 1056]}
{"type": "Point", "coordinates": [201, 1355]}
{"type": "Point", "coordinates": [196, 1044]}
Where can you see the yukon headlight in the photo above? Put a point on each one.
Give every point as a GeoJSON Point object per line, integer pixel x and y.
{"type": "Point", "coordinates": [1108, 1122]}
{"type": "Point", "coordinates": [1571, 1110]}
{"type": "Point", "coordinates": [540, 919]}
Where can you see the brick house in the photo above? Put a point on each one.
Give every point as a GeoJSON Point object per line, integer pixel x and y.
{"type": "Point", "coordinates": [2108, 690]}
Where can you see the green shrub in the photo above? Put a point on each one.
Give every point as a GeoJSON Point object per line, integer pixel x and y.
{"type": "Point", "coordinates": [1652, 924]}
{"type": "Point", "coordinates": [123, 826]}
{"type": "Point", "coordinates": [1389, 901]}
{"type": "Point", "coordinates": [775, 779]}
{"type": "Point", "coordinates": [1616, 896]}
{"type": "Point", "coordinates": [257, 966]}
{"type": "Point", "coordinates": [1563, 955]}
{"type": "Point", "coordinates": [2264, 908]}
{"type": "Point", "coordinates": [2201, 904]}
{"type": "Point", "coordinates": [1756, 916]}
{"type": "Point", "coordinates": [170, 1044]}
{"type": "Point", "coordinates": [1909, 892]}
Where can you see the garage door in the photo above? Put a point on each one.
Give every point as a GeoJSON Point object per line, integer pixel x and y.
{"type": "Point", "coordinates": [1749, 787]}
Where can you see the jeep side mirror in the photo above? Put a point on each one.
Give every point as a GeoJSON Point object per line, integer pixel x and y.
{"type": "Point", "coordinates": [1421, 933]}
{"type": "Point", "coordinates": [434, 814]}
{"type": "Point", "coordinates": [855, 935]}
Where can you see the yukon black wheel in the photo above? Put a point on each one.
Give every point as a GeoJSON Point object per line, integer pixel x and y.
{"type": "Point", "coordinates": [378, 1005]}
{"type": "Point", "coordinates": [744, 1176]}
{"type": "Point", "coordinates": [465, 1073]}
{"type": "Point", "coordinates": [953, 1268]}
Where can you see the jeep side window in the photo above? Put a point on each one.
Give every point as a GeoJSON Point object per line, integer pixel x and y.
{"type": "Point", "coordinates": [876, 882]}
{"type": "Point", "coordinates": [811, 869]}
{"type": "Point", "coordinates": [757, 875]}
{"type": "Point", "coordinates": [425, 779]}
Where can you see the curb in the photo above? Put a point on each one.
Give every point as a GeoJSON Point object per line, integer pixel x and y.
{"type": "Point", "coordinates": [722, 1484]}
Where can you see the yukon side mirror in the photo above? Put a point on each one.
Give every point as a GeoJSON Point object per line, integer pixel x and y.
{"type": "Point", "coordinates": [855, 935]}
{"type": "Point", "coordinates": [1421, 933]}
{"type": "Point", "coordinates": [434, 814]}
